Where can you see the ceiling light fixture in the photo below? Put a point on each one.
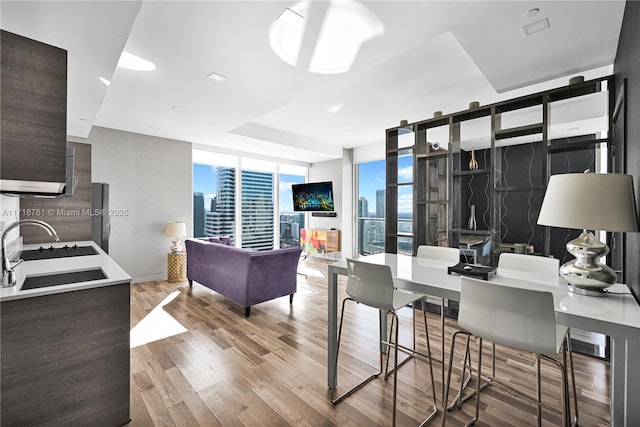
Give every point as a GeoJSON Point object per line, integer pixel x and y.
{"type": "Point", "coordinates": [105, 81]}
{"type": "Point", "coordinates": [535, 27]}
{"type": "Point", "coordinates": [178, 108]}
{"type": "Point", "coordinates": [346, 26]}
{"type": "Point", "coordinates": [290, 17]}
{"type": "Point", "coordinates": [217, 77]}
{"type": "Point", "coordinates": [135, 63]}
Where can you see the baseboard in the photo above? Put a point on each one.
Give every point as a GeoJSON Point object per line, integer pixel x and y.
{"type": "Point", "coordinates": [149, 278]}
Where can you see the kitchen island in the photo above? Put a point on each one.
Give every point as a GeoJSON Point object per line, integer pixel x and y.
{"type": "Point", "coordinates": [65, 347]}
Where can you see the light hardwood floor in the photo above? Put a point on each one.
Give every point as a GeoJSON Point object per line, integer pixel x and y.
{"type": "Point", "coordinates": [222, 369]}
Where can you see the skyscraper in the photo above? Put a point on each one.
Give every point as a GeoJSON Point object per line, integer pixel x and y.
{"type": "Point", "coordinates": [363, 208]}
{"type": "Point", "coordinates": [221, 220]}
{"type": "Point", "coordinates": [380, 203]}
{"type": "Point", "coordinates": [198, 215]}
{"type": "Point", "coordinates": [257, 210]}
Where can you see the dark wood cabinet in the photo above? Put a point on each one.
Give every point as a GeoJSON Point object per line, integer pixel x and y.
{"type": "Point", "coordinates": [65, 359]}
{"type": "Point", "coordinates": [33, 111]}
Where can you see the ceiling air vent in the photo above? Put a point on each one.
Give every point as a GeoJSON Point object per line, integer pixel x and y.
{"type": "Point", "coordinates": [535, 27]}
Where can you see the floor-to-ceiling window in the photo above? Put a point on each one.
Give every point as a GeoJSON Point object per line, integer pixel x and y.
{"type": "Point", "coordinates": [371, 206]}
{"type": "Point", "coordinates": [257, 210]}
{"type": "Point", "coordinates": [264, 218]}
{"type": "Point", "coordinates": [405, 202]}
{"type": "Point", "coordinates": [291, 222]}
{"type": "Point", "coordinates": [214, 203]}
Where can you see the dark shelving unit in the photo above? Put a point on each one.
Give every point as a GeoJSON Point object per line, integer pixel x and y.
{"type": "Point", "coordinates": [515, 160]}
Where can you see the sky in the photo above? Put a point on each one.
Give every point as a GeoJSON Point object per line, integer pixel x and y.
{"type": "Point", "coordinates": [204, 181]}
{"type": "Point", "coordinates": [372, 178]}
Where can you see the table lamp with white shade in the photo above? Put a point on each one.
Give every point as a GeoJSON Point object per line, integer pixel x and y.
{"type": "Point", "coordinates": [589, 201]}
{"type": "Point", "coordinates": [176, 230]}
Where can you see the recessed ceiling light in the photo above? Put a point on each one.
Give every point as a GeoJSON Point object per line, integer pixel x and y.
{"type": "Point", "coordinates": [535, 27]}
{"type": "Point", "coordinates": [531, 12]}
{"type": "Point", "coordinates": [105, 81]}
{"type": "Point", "coordinates": [178, 108]}
{"type": "Point", "coordinates": [154, 127]}
{"type": "Point", "coordinates": [132, 62]}
{"type": "Point", "coordinates": [290, 17]}
{"type": "Point", "coordinates": [217, 77]}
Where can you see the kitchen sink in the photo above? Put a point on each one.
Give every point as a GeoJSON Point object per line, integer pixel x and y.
{"type": "Point", "coordinates": [55, 279]}
{"type": "Point", "coordinates": [60, 252]}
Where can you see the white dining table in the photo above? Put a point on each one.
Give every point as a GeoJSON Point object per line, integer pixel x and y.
{"type": "Point", "coordinates": [616, 315]}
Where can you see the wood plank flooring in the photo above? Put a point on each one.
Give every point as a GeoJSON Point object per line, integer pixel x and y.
{"type": "Point", "coordinates": [222, 369]}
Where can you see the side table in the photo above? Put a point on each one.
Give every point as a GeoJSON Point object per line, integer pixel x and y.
{"type": "Point", "coordinates": [177, 267]}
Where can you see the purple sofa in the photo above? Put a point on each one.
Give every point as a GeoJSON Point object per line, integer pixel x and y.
{"type": "Point", "coordinates": [246, 277]}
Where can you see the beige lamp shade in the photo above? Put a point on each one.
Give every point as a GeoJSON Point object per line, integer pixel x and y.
{"type": "Point", "coordinates": [175, 229]}
{"type": "Point", "coordinates": [590, 201]}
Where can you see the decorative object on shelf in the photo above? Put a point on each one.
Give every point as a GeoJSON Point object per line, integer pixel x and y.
{"type": "Point", "coordinates": [472, 218]}
{"type": "Point", "coordinates": [434, 145]}
{"type": "Point", "coordinates": [589, 201]}
{"type": "Point", "coordinates": [576, 80]}
{"type": "Point", "coordinates": [437, 114]}
{"type": "Point", "coordinates": [404, 123]}
{"type": "Point", "coordinates": [520, 248]}
{"type": "Point", "coordinates": [473, 164]}
{"type": "Point", "coordinates": [176, 230]}
{"type": "Point", "coordinates": [473, 105]}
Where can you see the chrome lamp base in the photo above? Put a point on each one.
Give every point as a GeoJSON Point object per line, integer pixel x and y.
{"type": "Point", "coordinates": [176, 246]}
{"type": "Point", "coordinates": [585, 274]}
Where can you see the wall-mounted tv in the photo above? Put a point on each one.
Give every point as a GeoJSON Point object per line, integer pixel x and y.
{"type": "Point", "coordinates": [313, 197]}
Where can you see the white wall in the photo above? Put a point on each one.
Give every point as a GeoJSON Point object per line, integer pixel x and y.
{"type": "Point", "coordinates": [338, 171]}
{"type": "Point", "coordinates": [151, 178]}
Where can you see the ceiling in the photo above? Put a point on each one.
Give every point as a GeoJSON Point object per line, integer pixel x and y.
{"type": "Point", "coordinates": [430, 55]}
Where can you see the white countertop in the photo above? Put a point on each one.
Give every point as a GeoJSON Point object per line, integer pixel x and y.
{"type": "Point", "coordinates": [115, 274]}
{"type": "Point", "coordinates": [616, 314]}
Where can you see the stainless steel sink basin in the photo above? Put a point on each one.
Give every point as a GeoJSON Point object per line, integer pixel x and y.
{"type": "Point", "coordinates": [55, 279]}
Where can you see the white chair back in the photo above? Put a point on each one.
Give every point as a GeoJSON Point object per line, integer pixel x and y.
{"type": "Point", "coordinates": [441, 253]}
{"type": "Point", "coordinates": [515, 317]}
{"type": "Point", "coordinates": [529, 267]}
{"type": "Point", "coordinates": [370, 284]}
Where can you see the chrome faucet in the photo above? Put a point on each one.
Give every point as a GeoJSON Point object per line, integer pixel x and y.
{"type": "Point", "coordinates": [8, 275]}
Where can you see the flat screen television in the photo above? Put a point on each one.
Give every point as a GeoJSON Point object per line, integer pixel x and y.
{"type": "Point", "coordinates": [313, 197]}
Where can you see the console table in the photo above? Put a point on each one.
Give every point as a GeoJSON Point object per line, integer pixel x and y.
{"type": "Point", "coordinates": [314, 240]}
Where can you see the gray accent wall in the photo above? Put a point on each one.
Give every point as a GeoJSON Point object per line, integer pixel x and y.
{"type": "Point", "coordinates": [150, 183]}
{"type": "Point", "coordinates": [627, 69]}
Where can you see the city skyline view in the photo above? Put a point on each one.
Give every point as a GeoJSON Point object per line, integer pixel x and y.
{"type": "Point", "coordinates": [372, 177]}
{"type": "Point", "coordinates": [216, 206]}
{"type": "Point", "coordinates": [204, 181]}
